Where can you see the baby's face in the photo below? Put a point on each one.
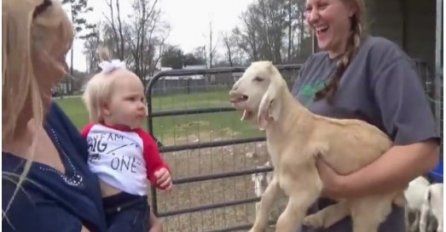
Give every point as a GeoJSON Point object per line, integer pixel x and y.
{"type": "Point", "coordinates": [127, 105]}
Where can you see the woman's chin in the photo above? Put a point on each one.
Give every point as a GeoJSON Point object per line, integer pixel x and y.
{"type": "Point", "coordinates": [323, 46]}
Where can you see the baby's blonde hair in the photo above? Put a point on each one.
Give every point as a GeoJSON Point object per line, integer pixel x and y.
{"type": "Point", "coordinates": [98, 89]}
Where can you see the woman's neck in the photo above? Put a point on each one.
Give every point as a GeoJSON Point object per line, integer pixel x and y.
{"type": "Point", "coordinates": [341, 48]}
{"type": "Point", "coordinates": [337, 52]}
{"type": "Point", "coordinates": [23, 144]}
{"type": "Point", "coordinates": [37, 146]}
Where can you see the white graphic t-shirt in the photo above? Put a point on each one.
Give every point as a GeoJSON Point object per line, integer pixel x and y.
{"type": "Point", "coordinates": [123, 158]}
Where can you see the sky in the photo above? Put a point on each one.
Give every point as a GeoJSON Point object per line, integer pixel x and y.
{"type": "Point", "coordinates": [189, 21]}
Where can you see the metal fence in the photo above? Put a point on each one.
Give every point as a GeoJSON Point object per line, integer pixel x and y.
{"type": "Point", "coordinates": [212, 154]}
{"type": "Point", "coordinates": [428, 79]}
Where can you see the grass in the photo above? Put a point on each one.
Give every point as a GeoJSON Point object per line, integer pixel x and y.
{"type": "Point", "coordinates": [75, 109]}
{"type": "Point", "coordinates": [217, 124]}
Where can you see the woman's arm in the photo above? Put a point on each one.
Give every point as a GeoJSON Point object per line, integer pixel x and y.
{"type": "Point", "coordinates": [392, 171]}
{"type": "Point", "coordinates": [406, 117]}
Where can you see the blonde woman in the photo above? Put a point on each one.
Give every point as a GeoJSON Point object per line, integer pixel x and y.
{"type": "Point", "coordinates": [369, 78]}
{"type": "Point", "coordinates": [46, 183]}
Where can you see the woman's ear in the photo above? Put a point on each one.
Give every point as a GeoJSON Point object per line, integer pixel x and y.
{"type": "Point", "coordinates": [350, 7]}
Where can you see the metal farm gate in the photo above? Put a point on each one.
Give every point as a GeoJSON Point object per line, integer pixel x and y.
{"type": "Point", "coordinates": [212, 154]}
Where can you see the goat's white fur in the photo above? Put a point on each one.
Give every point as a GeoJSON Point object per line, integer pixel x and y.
{"type": "Point", "coordinates": [415, 195]}
{"type": "Point", "coordinates": [432, 205]}
{"type": "Point", "coordinates": [295, 137]}
{"type": "Point", "coordinates": [261, 179]}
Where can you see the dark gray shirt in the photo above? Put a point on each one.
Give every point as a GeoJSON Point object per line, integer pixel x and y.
{"type": "Point", "coordinates": [380, 86]}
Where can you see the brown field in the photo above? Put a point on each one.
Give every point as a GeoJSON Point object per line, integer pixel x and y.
{"type": "Point", "coordinates": [199, 162]}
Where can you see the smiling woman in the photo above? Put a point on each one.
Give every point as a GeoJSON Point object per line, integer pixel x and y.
{"type": "Point", "coordinates": [368, 78]}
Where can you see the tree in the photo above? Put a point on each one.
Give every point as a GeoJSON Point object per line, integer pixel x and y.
{"type": "Point", "coordinates": [173, 57]}
{"type": "Point", "coordinates": [115, 26]}
{"type": "Point", "coordinates": [272, 30]}
{"type": "Point", "coordinates": [234, 54]}
{"type": "Point", "coordinates": [200, 54]}
{"type": "Point", "coordinates": [138, 38]}
{"type": "Point", "coordinates": [82, 29]}
{"type": "Point", "coordinates": [91, 45]}
{"type": "Point", "coordinates": [228, 43]}
{"type": "Point", "coordinates": [147, 36]}
{"type": "Point", "coordinates": [191, 59]}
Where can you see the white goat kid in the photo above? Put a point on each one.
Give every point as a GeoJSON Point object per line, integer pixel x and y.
{"type": "Point", "coordinates": [432, 205]}
{"type": "Point", "coordinates": [261, 180]}
{"type": "Point", "coordinates": [295, 137]}
{"type": "Point", "coordinates": [415, 194]}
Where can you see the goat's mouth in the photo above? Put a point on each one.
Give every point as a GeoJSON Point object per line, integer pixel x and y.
{"type": "Point", "coordinates": [247, 115]}
{"type": "Point", "coordinates": [238, 99]}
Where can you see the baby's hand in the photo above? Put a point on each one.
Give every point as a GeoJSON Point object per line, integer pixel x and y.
{"type": "Point", "coordinates": [163, 179]}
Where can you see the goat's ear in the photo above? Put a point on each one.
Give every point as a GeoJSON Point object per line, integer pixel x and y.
{"type": "Point", "coordinates": [269, 108]}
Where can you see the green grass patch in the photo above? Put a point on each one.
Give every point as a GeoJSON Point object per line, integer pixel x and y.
{"type": "Point", "coordinates": [217, 124]}
{"type": "Point", "coordinates": [75, 109]}
{"type": "Point", "coordinates": [190, 101]}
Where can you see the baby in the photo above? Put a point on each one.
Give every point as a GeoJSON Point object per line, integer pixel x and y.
{"type": "Point", "coordinates": [121, 153]}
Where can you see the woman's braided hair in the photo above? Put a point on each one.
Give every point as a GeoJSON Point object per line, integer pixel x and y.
{"type": "Point", "coordinates": [353, 43]}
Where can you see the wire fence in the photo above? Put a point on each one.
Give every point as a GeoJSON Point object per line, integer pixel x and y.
{"type": "Point", "coordinates": [213, 155]}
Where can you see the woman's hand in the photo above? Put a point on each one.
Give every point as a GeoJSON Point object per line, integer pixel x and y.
{"type": "Point", "coordinates": [333, 182]}
{"type": "Point", "coordinates": [163, 179]}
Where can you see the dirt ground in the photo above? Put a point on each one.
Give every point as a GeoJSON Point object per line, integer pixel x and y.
{"type": "Point", "coordinates": [199, 162]}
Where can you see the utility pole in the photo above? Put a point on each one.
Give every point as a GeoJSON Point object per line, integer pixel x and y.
{"type": "Point", "coordinates": [210, 45]}
{"type": "Point", "coordinates": [69, 82]}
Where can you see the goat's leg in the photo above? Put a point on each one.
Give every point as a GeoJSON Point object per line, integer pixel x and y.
{"type": "Point", "coordinates": [294, 213]}
{"type": "Point", "coordinates": [440, 225]}
{"type": "Point", "coordinates": [264, 207]}
{"type": "Point", "coordinates": [416, 220]}
{"type": "Point", "coordinates": [368, 213]}
{"type": "Point", "coordinates": [301, 183]}
{"type": "Point", "coordinates": [423, 217]}
{"type": "Point", "coordinates": [327, 216]}
{"type": "Point", "coordinates": [411, 226]}
{"type": "Point", "coordinates": [407, 222]}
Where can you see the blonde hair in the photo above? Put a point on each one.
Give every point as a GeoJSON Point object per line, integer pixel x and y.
{"type": "Point", "coordinates": [27, 26]}
{"type": "Point", "coordinates": [354, 42]}
{"type": "Point", "coordinates": [98, 89]}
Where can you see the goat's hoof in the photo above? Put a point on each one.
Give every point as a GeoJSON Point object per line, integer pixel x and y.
{"type": "Point", "coordinates": [313, 221]}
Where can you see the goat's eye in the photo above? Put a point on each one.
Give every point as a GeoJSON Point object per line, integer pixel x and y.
{"type": "Point", "coordinates": [258, 79]}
